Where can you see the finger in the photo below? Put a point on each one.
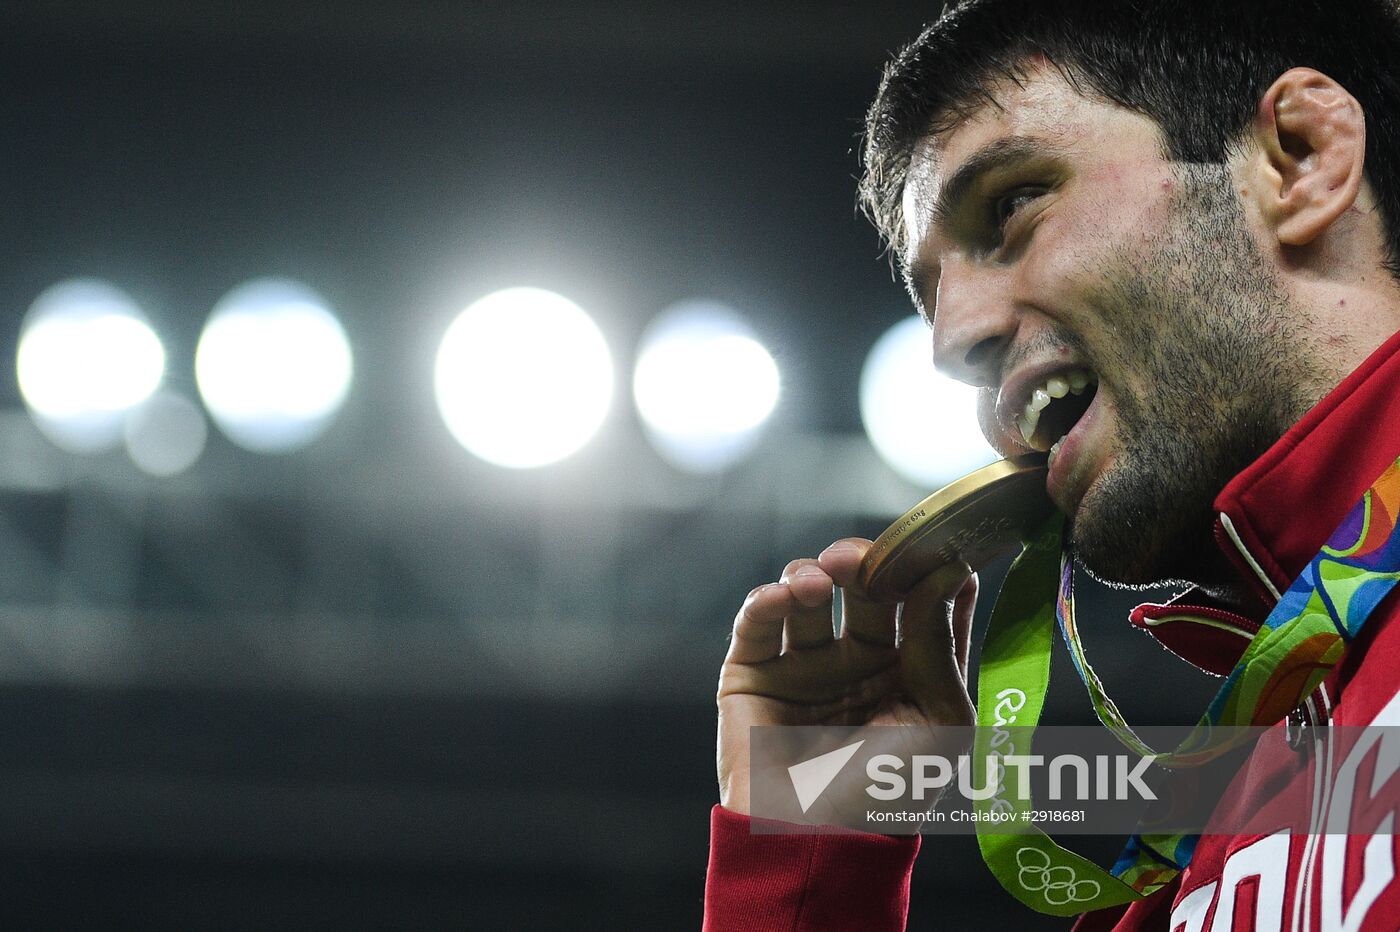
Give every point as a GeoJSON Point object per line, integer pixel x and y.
{"type": "Point", "coordinates": [861, 618]}
{"type": "Point", "coordinates": [841, 560]}
{"type": "Point", "coordinates": [929, 649]}
{"type": "Point", "coordinates": [869, 622]}
{"type": "Point", "coordinates": [758, 627]}
{"type": "Point", "coordinates": [809, 624]}
{"type": "Point", "coordinates": [810, 585]}
{"type": "Point", "coordinates": [964, 606]}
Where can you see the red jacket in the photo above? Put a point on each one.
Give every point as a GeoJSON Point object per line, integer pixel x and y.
{"type": "Point", "coordinates": [1271, 520]}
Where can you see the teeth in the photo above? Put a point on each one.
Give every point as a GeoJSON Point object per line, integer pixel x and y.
{"type": "Point", "coordinates": [1056, 386]}
{"type": "Point", "coordinates": [1027, 423]}
{"type": "Point", "coordinates": [1054, 451]}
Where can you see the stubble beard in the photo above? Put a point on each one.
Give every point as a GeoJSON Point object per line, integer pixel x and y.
{"type": "Point", "coordinates": [1207, 324]}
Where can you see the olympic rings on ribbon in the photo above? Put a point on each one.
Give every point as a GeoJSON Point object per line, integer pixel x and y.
{"type": "Point", "coordinates": [1059, 885]}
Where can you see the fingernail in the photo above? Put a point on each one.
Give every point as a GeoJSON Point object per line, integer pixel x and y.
{"type": "Point", "coordinates": [809, 570]}
{"type": "Point", "coordinates": [841, 548]}
{"type": "Point", "coordinates": [758, 591]}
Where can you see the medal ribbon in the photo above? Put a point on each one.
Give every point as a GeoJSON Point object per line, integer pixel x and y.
{"type": "Point", "coordinates": [1300, 642]}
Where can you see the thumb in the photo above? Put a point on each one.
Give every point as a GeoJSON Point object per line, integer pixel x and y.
{"type": "Point", "coordinates": [933, 639]}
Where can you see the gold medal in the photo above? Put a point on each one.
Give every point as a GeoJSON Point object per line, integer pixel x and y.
{"type": "Point", "coordinates": [974, 520]}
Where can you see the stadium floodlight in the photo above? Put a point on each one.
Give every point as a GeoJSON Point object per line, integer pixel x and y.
{"type": "Point", "coordinates": [704, 386]}
{"type": "Point", "coordinates": [87, 356]}
{"type": "Point", "coordinates": [523, 378]}
{"type": "Point", "coordinates": [922, 423]}
{"type": "Point", "coordinates": [273, 365]}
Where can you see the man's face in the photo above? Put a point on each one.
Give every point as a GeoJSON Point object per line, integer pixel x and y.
{"type": "Point", "coordinates": [1058, 252]}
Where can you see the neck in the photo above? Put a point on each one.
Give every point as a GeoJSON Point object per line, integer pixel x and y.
{"type": "Point", "coordinates": [1349, 300]}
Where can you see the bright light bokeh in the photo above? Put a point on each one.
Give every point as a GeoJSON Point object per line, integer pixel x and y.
{"type": "Point", "coordinates": [166, 435]}
{"type": "Point", "coordinates": [704, 387]}
{"type": "Point", "coordinates": [523, 378]}
{"type": "Point", "coordinates": [922, 423]}
{"type": "Point", "coordinates": [87, 356]}
{"type": "Point", "coordinates": [273, 365]}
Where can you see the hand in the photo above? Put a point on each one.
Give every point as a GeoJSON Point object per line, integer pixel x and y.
{"type": "Point", "coordinates": [891, 664]}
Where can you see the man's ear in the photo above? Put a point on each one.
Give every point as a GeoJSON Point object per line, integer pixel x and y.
{"type": "Point", "coordinates": [1310, 136]}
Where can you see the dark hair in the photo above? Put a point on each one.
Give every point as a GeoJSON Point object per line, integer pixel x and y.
{"type": "Point", "coordinates": [1196, 67]}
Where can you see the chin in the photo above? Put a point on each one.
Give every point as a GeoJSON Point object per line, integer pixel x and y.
{"type": "Point", "coordinates": [1139, 541]}
{"type": "Point", "coordinates": [1115, 568]}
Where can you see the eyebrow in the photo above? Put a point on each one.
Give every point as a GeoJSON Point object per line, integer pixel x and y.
{"type": "Point", "coordinates": [988, 159]}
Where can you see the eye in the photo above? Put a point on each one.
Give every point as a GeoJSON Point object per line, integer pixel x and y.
{"type": "Point", "coordinates": [1006, 207]}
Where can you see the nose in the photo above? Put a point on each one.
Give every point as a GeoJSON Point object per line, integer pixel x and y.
{"type": "Point", "coordinates": [973, 323]}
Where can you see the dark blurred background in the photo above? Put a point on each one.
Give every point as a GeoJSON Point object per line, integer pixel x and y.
{"type": "Point", "coordinates": [378, 683]}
